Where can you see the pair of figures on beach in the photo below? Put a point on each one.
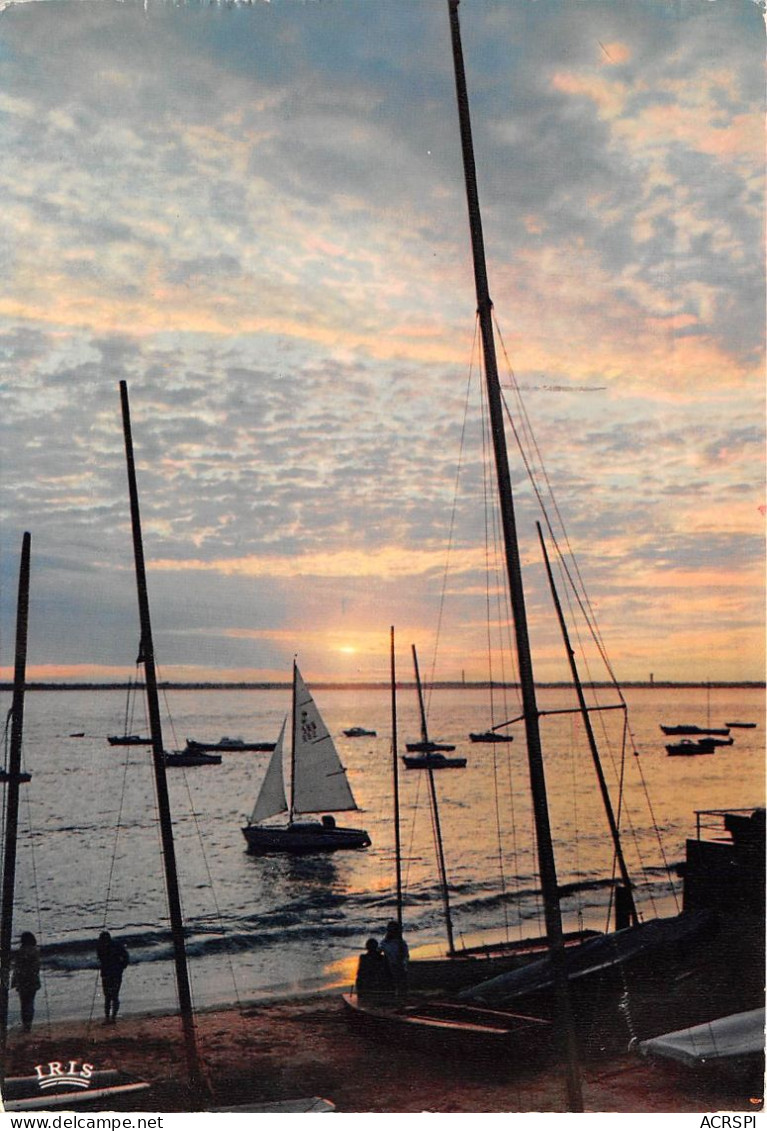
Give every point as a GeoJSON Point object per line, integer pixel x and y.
{"type": "Point", "coordinates": [382, 969]}
{"type": "Point", "coordinates": [112, 957]}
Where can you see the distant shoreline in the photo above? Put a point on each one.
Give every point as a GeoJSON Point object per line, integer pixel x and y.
{"type": "Point", "coordinates": [454, 685]}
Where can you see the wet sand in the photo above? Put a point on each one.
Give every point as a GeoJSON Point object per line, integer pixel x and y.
{"type": "Point", "coordinates": [312, 1046]}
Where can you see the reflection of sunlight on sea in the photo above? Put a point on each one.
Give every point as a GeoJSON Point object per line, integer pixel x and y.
{"type": "Point", "coordinates": [89, 846]}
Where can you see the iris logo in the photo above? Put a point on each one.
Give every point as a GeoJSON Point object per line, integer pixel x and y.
{"type": "Point", "coordinates": [67, 1074]}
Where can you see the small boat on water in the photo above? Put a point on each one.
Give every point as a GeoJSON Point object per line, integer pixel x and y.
{"type": "Point", "coordinates": [227, 744]}
{"type": "Point", "coordinates": [128, 740]}
{"type": "Point", "coordinates": [490, 736]}
{"type": "Point", "coordinates": [689, 728]}
{"type": "Point", "coordinates": [430, 754]}
{"type": "Point", "coordinates": [428, 747]}
{"type": "Point", "coordinates": [191, 758]}
{"type": "Point", "coordinates": [318, 784]}
{"type": "Point", "coordinates": [359, 732]}
{"type": "Point", "coordinates": [742, 726]}
{"type": "Point", "coordinates": [687, 747]}
{"type": "Point", "coordinates": [432, 760]}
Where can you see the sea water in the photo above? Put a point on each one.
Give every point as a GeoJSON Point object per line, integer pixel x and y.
{"type": "Point", "coordinates": [89, 854]}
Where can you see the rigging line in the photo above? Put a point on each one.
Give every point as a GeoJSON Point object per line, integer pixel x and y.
{"type": "Point", "coordinates": [581, 597]}
{"type": "Point", "coordinates": [6, 741]}
{"type": "Point", "coordinates": [619, 773]}
{"type": "Point", "coordinates": [502, 603]}
{"type": "Point", "coordinates": [167, 705]}
{"type": "Point", "coordinates": [492, 541]}
{"type": "Point", "coordinates": [410, 852]}
{"type": "Point", "coordinates": [656, 829]}
{"type": "Point", "coordinates": [451, 531]}
{"type": "Point", "coordinates": [35, 887]}
{"type": "Point", "coordinates": [219, 916]}
{"type": "Point", "coordinates": [574, 792]}
{"type": "Point", "coordinates": [581, 593]}
{"type": "Point", "coordinates": [112, 864]}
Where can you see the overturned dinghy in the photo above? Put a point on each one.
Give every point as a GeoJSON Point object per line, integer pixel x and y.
{"type": "Point", "coordinates": [737, 1040]}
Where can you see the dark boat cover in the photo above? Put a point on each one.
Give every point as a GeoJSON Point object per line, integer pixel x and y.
{"type": "Point", "coordinates": [737, 1037]}
{"type": "Point", "coordinates": [600, 954]}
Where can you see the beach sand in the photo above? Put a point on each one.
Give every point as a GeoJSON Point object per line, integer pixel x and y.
{"type": "Point", "coordinates": [311, 1046]}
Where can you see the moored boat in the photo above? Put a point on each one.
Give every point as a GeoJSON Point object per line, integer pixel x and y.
{"type": "Point", "coordinates": [227, 744]}
{"type": "Point", "coordinates": [490, 736]}
{"type": "Point", "coordinates": [428, 747]}
{"type": "Point", "coordinates": [432, 760]}
{"type": "Point", "coordinates": [687, 747]}
{"type": "Point", "coordinates": [191, 758]}
{"type": "Point", "coordinates": [689, 728]}
{"type": "Point", "coordinates": [359, 732]}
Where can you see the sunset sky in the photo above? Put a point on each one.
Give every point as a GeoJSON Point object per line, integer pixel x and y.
{"type": "Point", "coordinates": [255, 215]}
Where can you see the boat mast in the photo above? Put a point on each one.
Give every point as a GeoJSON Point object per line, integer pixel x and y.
{"type": "Point", "coordinates": [293, 748]}
{"type": "Point", "coordinates": [12, 798]}
{"type": "Point", "coordinates": [194, 1067]}
{"type": "Point", "coordinates": [395, 774]}
{"type": "Point", "coordinates": [546, 862]}
{"type": "Point", "coordinates": [614, 832]}
{"type": "Point", "coordinates": [435, 815]}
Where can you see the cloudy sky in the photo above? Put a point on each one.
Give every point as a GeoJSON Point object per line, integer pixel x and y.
{"type": "Point", "coordinates": [255, 216]}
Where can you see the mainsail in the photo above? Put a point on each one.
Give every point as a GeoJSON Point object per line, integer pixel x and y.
{"type": "Point", "coordinates": [318, 779]}
{"type": "Point", "coordinates": [271, 797]}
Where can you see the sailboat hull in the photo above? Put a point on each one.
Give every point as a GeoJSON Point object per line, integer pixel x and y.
{"type": "Point", "coordinates": [302, 837]}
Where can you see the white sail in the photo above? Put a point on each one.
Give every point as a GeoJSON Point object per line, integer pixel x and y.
{"type": "Point", "coordinates": [271, 796]}
{"type": "Point", "coordinates": [319, 779]}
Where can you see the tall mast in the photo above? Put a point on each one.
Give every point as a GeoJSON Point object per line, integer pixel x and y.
{"type": "Point", "coordinates": [421, 708]}
{"type": "Point", "coordinates": [12, 798]}
{"type": "Point", "coordinates": [435, 816]}
{"type": "Point", "coordinates": [194, 1067]}
{"type": "Point", "coordinates": [546, 861]}
{"type": "Point", "coordinates": [614, 832]}
{"type": "Point", "coordinates": [293, 748]}
{"type": "Point", "coordinates": [395, 775]}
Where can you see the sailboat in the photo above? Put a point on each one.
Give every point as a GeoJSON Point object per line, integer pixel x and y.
{"type": "Point", "coordinates": [128, 736]}
{"type": "Point", "coordinates": [426, 754]}
{"type": "Point", "coordinates": [318, 784]}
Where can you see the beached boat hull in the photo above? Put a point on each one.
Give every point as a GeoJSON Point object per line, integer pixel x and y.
{"type": "Point", "coordinates": [302, 837]}
{"type": "Point", "coordinates": [472, 965]}
{"type": "Point", "coordinates": [447, 1027]}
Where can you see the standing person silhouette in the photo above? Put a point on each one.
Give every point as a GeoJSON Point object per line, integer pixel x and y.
{"type": "Point", "coordinates": [374, 979]}
{"type": "Point", "coordinates": [113, 958]}
{"type": "Point", "coordinates": [397, 954]}
{"type": "Point", "coordinates": [26, 977]}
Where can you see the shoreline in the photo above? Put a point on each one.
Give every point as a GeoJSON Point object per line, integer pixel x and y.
{"type": "Point", "coordinates": [305, 1045]}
